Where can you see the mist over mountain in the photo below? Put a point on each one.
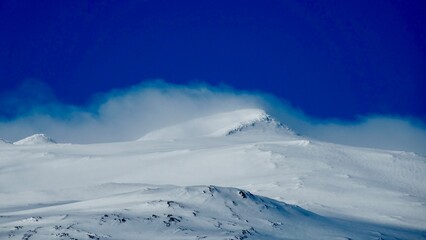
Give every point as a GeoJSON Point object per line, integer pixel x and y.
{"type": "Point", "coordinates": [240, 120]}
{"type": "Point", "coordinates": [128, 114]}
{"type": "Point", "coordinates": [167, 184]}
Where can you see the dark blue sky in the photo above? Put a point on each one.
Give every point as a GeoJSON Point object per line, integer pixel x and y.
{"type": "Point", "coordinates": [332, 59]}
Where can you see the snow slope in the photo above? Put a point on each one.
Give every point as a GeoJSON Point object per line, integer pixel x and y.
{"type": "Point", "coordinates": [35, 139]}
{"type": "Point", "coordinates": [136, 211]}
{"type": "Point", "coordinates": [344, 192]}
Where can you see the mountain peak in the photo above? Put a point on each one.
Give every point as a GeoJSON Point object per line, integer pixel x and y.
{"type": "Point", "coordinates": [222, 124]}
{"type": "Point", "coordinates": [264, 124]}
{"type": "Point", "coordinates": [36, 139]}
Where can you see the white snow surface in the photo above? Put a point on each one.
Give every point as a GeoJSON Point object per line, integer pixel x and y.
{"type": "Point", "coordinates": [246, 180]}
{"type": "Point", "coordinates": [35, 139]}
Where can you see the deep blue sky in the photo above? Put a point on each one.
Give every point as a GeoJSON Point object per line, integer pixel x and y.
{"type": "Point", "coordinates": [332, 59]}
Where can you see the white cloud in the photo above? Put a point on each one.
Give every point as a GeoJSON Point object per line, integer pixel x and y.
{"type": "Point", "coordinates": [128, 114]}
{"type": "Point", "coordinates": [125, 114]}
{"type": "Point", "coordinates": [375, 131]}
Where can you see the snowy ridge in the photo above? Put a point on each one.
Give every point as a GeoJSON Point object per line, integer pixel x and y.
{"type": "Point", "coordinates": [223, 124]}
{"type": "Point", "coordinates": [35, 139]}
{"type": "Point", "coordinates": [265, 123]}
{"type": "Point", "coordinates": [169, 212]}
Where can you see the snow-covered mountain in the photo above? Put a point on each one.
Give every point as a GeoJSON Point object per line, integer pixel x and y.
{"type": "Point", "coordinates": [35, 139]}
{"type": "Point", "coordinates": [222, 124]}
{"type": "Point", "coordinates": [137, 211]}
{"type": "Point", "coordinates": [100, 191]}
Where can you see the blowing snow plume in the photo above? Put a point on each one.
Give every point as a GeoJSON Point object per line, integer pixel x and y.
{"type": "Point", "coordinates": [128, 114]}
{"type": "Point", "coordinates": [221, 124]}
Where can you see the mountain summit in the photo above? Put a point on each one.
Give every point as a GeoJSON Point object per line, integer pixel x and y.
{"type": "Point", "coordinates": [36, 139]}
{"type": "Point", "coordinates": [222, 124]}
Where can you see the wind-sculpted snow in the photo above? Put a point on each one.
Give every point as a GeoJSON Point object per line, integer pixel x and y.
{"type": "Point", "coordinates": [35, 140]}
{"type": "Point", "coordinates": [343, 192]}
